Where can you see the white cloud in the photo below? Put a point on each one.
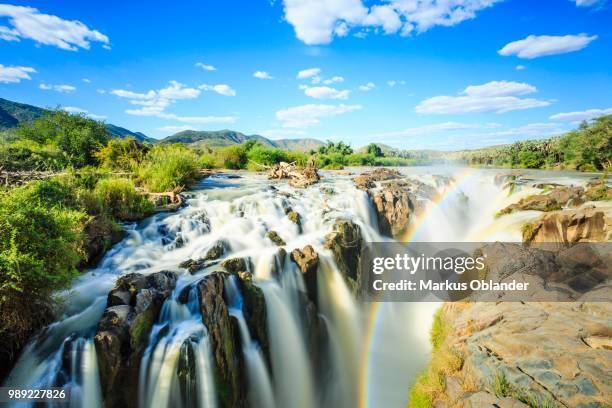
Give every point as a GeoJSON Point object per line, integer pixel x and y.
{"type": "Point", "coordinates": [57, 88]}
{"type": "Point", "coordinates": [579, 116]}
{"type": "Point", "coordinates": [73, 109]}
{"type": "Point", "coordinates": [199, 120]}
{"type": "Point", "coordinates": [535, 46]}
{"type": "Point", "coordinates": [494, 96]}
{"type": "Point", "coordinates": [15, 74]}
{"type": "Point", "coordinates": [221, 89]}
{"type": "Point", "coordinates": [438, 128]}
{"type": "Point", "coordinates": [311, 114]}
{"type": "Point", "coordinates": [520, 67]}
{"type": "Point", "coordinates": [367, 87]}
{"type": "Point", "coordinates": [154, 103]}
{"type": "Point", "coordinates": [205, 67]}
{"type": "Point", "coordinates": [325, 92]}
{"type": "Point", "coordinates": [531, 130]}
{"type": "Point", "coordinates": [29, 23]}
{"type": "Point", "coordinates": [318, 21]}
{"type": "Point", "coordinates": [308, 73]}
{"type": "Point", "coordinates": [333, 80]}
{"type": "Point", "coordinates": [588, 3]}
{"type": "Point", "coordinates": [86, 80]}
{"type": "Point", "coordinates": [392, 83]}
{"type": "Point", "coordinates": [262, 75]}
{"type": "Point", "coordinates": [175, 129]}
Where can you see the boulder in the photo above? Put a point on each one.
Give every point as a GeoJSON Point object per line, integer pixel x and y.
{"type": "Point", "coordinates": [559, 196]}
{"type": "Point", "coordinates": [274, 237]}
{"type": "Point", "coordinates": [394, 206]}
{"type": "Point", "coordinates": [346, 243]}
{"type": "Point", "coordinates": [123, 332]}
{"type": "Point", "coordinates": [235, 265]}
{"type": "Point", "coordinates": [100, 233]}
{"type": "Point", "coordinates": [366, 181]}
{"type": "Point", "coordinates": [216, 251]}
{"type": "Point", "coordinates": [598, 190]}
{"type": "Point", "coordinates": [564, 228]}
{"type": "Point", "coordinates": [308, 261]}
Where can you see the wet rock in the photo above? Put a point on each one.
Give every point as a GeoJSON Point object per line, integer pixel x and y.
{"type": "Point", "coordinates": [100, 233]}
{"type": "Point", "coordinates": [123, 331]}
{"type": "Point", "coordinates": [274, 237]}
{"type": "Point", "coordinates": [308, 261]}
{"type": "Point", "coordinates": [345, 242]}
{"type": "Point", "coordinates": [216, 251]}
{"type": "Point", "coordinates": [255, 312]}
{"type": "Point", "coordinates": [213, 254]}
{"type": "Point", "coordinates": [539, 202]}
{"type": "Point", "coordinates": [295, 218]}
{"type": "Point", "coordinates": [235, 265]}
{"type": "Point", "coordinates": [224, 337]}
{"type": "Point", "coordinates": [394, 206]}
{"type": "Point", "coordinates": [567, 227]}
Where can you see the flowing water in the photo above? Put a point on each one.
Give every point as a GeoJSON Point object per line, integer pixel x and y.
{"type": "Point", "coordinates": [374, 350]}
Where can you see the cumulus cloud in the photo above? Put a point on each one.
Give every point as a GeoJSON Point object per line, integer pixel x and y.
{"type": "Point", "coordinates": [318, 21]}
{"type": "Point", "coordinates": [529, 131]}
{"type": "Point", "coordinates": [588, 3]}
{"type": "Point", "coordinates": [221, 89]}
{"type": "Point", "coordinates": [15, 74]}
{"type": "Point", "coordinates": [535, 46]}
{"type": "Point", "coordinates": [155, 102]}
{"type": "Point", "coordinates": [262, 75]}
{"type": "Point", "coordinates": [74, 109]}
{"type": "Point", "coordinates": [579, 116]}
{"type": "Point", "coordinates": [199, 120]}
{"type": "Point", "coordinates": [393, 83]}
{"type": "Point", "coordinates": [57, 88]}
{"type": "Point", "coordinates": [332, 80]}
{"type": "Point", "coordinates": [494, 96]}
{"type": "Point", "coordinates": [29, 23]}
{"type": "Point", "coordinates": [311, 114]}
{"type": "Point", "coordinates": [324, 92]}
{"type": "Point", "coordinates": [86, 80]}
{"type": "Point", "coordinates": [308, 73]}
{"type": "Point", "coordinates": [205, 67]}
{"type": "Point", "coordinates": [367, 87]}
{"type": "Point", "coordinates": [520, 67]}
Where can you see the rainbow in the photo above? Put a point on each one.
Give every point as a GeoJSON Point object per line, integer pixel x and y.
{"type": "Point", "coordinates": [374, 312]}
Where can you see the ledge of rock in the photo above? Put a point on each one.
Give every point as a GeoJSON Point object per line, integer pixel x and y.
{"type": "Point", "coordinates": [299, 177]}
{"type": "Point", "coordinates": [308, 261]}
{"type": "Point", "coordinates": [346, 243]}
{"type": "Point", "coordinates": [123, 332]}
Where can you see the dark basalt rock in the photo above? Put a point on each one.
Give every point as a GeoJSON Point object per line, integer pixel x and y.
{"type": "Point", "coordinates": [394, 206]}
{"type": "Point", "coordinates": [123, 331]}
{"type": "Point", "coordinates": [235, 265]}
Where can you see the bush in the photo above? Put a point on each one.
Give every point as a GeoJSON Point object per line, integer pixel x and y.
{"type": "Point", "coordinates": [29, 155]}
{"type": "Point", "coordinates": [119, 198]}
{"type": "Point", "coordinates": [168, 167]}
{"type": "Point", "coordinates": [233, 157]}
{"type": "Point", "coordinates": [122, 154]}
{"type": "Point", "coordinates": [76, 135]}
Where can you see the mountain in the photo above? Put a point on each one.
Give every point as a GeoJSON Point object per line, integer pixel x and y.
{"type": "Point", "coordinates": [14, 113]}
{"type": "Point", "coordinates": [222, 138]}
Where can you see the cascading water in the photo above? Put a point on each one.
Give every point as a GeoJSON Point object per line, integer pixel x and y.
{"type": "Point", "coordinates": [371, 352]}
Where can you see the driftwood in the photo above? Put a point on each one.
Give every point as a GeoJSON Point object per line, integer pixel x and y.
{"type": "Point", "coordinates": [298, 177]}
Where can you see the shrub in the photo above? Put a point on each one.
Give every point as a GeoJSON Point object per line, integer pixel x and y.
{"type": "Point", "coordinates": [122, 154]}
{"type": "Point", "coordinates": [30, 155]}
{"type": "Point", "coordinates": [233, 157]}
{"type": "Point", "coordinates": [168, 167]}
{"type": "Point", "coordinates": [76, 135]}
{"type": "Point", "coordinates": [119, 198]}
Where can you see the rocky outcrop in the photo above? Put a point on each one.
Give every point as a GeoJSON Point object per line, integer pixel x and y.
{"type": "Point", "coordinates": [366, 181]}
{"type": "Point", "coordinates": [561, 196]}
{"type": "Point", "coordinates": [216, 251]}
{"type": "Point", "coordinates": [567, 227]}
{"type": "Point", "coordinates": [123, 331]}
{"type": "Point", "coordinates": [346, 243]}
{"type": "Point", "coordinates": [100, 233]}
{"type": "Point", "coordinates": [598, 190]}
{"type": "Point", "coordinates": [533, 354]}
{"type": "Point", "coordinates": [394, 206]}
{"type": "Point", "coordinates": [308, 261]}
{"type": "Point", "coordinates": [236, 265]}
{"type": "Point", "coordinates": [299, 177]}
{"type": "Point", "coordinates": [224, 341]}
{"type": "Point", "coordinates": [274, 237]}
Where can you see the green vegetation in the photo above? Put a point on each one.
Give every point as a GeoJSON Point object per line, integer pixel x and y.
{"type": "Point", "coordinates": [168, 167]}
{"type": "Point", "coordinates": [122, 154]}
{"type": "Point", "coordinates": [429, 386]}
{"type": "Point", "coordinates": [502, 388]}
{"type": "Point", "coordinates": [588, 148]}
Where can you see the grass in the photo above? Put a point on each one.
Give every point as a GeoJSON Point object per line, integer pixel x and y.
{"type": "Point", "coordinates": [445, 360]}
{"type": "Point", "coordinates": [168, 168]}
{"type": "Point", "coordinates": [502, 388]}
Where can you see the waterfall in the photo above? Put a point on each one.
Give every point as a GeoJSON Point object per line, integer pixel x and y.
{"type": "Point", "coordinates": [360, 355]}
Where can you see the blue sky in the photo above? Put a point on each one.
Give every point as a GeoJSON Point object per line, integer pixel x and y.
{"type": "Point", "coordinates": [413, 74]}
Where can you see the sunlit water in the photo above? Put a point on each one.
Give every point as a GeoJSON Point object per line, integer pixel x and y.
{"type": "Point", "coordinates": [374, 350]}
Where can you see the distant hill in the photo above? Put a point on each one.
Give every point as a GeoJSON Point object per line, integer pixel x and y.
{"type": "Point", "coordinates": [222, 138]}
{"type": "Point", "coordinates": [14, 113]}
